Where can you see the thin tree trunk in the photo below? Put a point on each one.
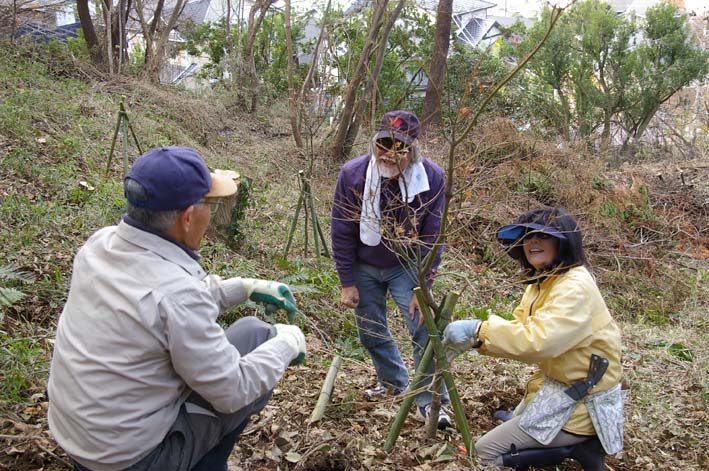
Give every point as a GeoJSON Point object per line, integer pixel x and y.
{"type": "Point", "coordinates": [436, 75]}
{"type": "Point", "coordinates": [163, 36]}
{"type": "Point", "coordinates": [87, 27]}
{"type": "Point", "coordinates": [108, 18]}
{"type": "Point", "coordinates": [249, 60]}
{"type": "Point", "coordinates": [371, 89]}
{"type": "Point", "coordinates": [348, 110]}
{"type": "Point", "coordinates": [293, 107]}
{"type": "Point", "coordinates": [566, 115]}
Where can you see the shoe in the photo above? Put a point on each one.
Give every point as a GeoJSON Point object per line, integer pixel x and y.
{"type": "Point", "coordinates": [382, 390]}
{"type": "Point", "coordinates": [503, 415]}
{"type": "Point", "coordinates": [444, 420]}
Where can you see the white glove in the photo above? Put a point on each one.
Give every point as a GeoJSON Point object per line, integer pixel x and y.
{"type": "Point", "coordinates": [294, 337]}
{"type": "Point", "coordinates": [461, 336]}
{"type": "Point", "coordinates": [271, 293]}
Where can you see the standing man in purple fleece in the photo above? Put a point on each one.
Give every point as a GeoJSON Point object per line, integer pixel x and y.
{"type": "Point", "coordinates": [385, 218]}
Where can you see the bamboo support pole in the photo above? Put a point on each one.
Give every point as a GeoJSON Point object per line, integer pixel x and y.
{"type": "Point", "coordinates": [326, 391]}
{"type": "Point", "coordinates": [125, 123]}
{"type": "Point", "coordinates": [291, 233]}
{"type": "Point", "coordinates": [442, 363]}
{"type": "Point", "coordinates": [442, 320]}
{"type": "Point", "coordinates": [125, 140]}
{"type": "Point", "coordinates": [307, 204]}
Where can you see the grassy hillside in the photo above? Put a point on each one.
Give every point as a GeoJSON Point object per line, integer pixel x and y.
{"type": "Point", "coordinates": [647, 238]}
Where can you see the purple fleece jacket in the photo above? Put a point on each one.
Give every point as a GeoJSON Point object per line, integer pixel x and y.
{"type": "Point", "coordinates": [425, 210]}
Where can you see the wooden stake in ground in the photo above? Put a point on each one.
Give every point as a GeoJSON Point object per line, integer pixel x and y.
{"type": "Point", "coordinates": [305, 201]}
{"type": "Point", "coordinates": [326, 391]}
{"type": "Point", "coordinates": [123, 122]}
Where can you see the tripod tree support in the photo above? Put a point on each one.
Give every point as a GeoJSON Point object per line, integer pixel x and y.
{"type": "Point", "coordinates": [326, 391]}
{"type": "Point", "coordinates": [433, 346]}
{"type": "Point", "coordinates": [306, 202]}
{"type": "Point", "coordinates": [122, 123]}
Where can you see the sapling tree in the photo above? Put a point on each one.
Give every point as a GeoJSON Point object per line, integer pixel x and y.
{"type": "Point", "coordinates": [420, 254]}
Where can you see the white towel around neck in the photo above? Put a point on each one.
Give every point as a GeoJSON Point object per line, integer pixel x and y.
{"type": "Point", "coordinates": [412, 181]}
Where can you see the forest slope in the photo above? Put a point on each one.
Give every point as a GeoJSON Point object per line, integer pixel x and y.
{"type": "Point", "coordinates": [647, 238]}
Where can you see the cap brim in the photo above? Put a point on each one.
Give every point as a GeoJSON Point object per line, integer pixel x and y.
{"type": "Point", "coordinates": [514, 232]}
{"type": "Point", "coordinates": [394, 135]}
{"type": "Point", "coordinates": [222, 186]}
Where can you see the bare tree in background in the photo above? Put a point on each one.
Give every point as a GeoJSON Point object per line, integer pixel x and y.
{"type": "Point", "coordinates": [340, 144]}
{"type": "Point", "coordinates": [436, 75]}
{"type": "Point", "coordinates": [293, 108]}
{"type": "Point", "coordinates": [369, 97]}
{"type": "Point", "coordinates": [250, 79]}
{"type": "Point", "coordinates": [156, 35]}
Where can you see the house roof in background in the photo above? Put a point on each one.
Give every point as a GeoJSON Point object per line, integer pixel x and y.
{"type": "Point", "coordinates": [459, 6]}
{"type": "Point", "coordinates": [42, 33]}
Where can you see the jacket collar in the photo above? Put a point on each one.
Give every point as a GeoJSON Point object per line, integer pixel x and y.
{"type": "Point", "coordinates": [163, 245]}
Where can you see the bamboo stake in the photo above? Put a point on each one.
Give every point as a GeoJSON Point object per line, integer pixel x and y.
{"type": "Point", "coordinates": [326, 390]}
{"type": "Point", "coordinates": [442, 362]}
{"type": "Point", "coordinates": [291, 233]}
{"type": "Point", "coordinates": [442, 320]}
{"type": "Point", "coordinates": [125, 140]}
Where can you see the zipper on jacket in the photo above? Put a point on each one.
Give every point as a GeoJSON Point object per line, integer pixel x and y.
{"type": "Point", "coordinates": [539, 291]}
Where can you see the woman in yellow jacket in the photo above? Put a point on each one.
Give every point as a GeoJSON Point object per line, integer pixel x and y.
{"type": "Point", "coordinates": [561, 322]}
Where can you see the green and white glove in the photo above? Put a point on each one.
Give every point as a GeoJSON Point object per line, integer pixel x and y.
{"type": "Point", "coordinates": [294, 337]}
{"type": "Point", "coordinates": [273, 294]}
{"type": "Point", "coordinates": [461, 336]}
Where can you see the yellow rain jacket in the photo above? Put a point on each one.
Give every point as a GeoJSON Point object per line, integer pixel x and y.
{"type": "Point", "coordinates": [559, 323]}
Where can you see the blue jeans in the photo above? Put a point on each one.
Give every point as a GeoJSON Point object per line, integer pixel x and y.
{"type": "Point", "coordinates": [201, 439]}
{"type": "Point", "coordinates": [371, 315]}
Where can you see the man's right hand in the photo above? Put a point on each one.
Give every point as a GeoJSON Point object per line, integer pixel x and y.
{"type": "Point", "coordinates": [349, 296]}
{"type": "Point", "coordinates": [294, 338]}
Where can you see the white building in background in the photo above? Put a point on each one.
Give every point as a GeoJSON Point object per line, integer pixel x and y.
{"type": "Point", "coordinates": [532, 8]}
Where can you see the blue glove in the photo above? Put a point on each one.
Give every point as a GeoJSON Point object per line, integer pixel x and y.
{"type": "Point", "coordinates": [461, 336]}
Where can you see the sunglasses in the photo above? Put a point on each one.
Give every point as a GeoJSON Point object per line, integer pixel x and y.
{"type": "Point", "coordinates": [537, 235]}
{"type": "Point", "coordinates": [388, 144]}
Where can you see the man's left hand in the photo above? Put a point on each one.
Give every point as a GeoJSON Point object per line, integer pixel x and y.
{"type": "Point", "coordinates": [271, 293]}
{"type": "Point", "coordinates": [414, 307]}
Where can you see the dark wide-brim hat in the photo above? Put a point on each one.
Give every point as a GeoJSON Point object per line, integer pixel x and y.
{"type": "Point", "coordinates": [401, 125]}
{"type": "Point", "coordinates": [511, 235]}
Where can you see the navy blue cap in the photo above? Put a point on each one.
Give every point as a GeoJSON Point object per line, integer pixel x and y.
{"type": "Point", "coordinates": [401, 125]}
{"type": "Point", "coordinates": [514, 232]}
{"type": "Point", "coordinates": [173, 177]}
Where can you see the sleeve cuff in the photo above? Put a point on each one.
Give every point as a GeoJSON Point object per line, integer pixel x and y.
{"type": "Point", "coordinates": [482, 334]}
{"type": "Point", "coordinates": [234, 291]}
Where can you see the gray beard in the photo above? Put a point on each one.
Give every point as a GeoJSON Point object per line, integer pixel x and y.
{"type": "Point", "coordinates": [387, 172]}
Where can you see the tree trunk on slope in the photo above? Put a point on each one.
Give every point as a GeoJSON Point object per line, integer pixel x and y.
{"type": "Point", "coordinates": [371, 89]}
{"type": "Point", "coordinates": [87, 27]}
{"type": "Point", "coordinates": [436, 75]}
{"type": "Point", "coordinates": [250, 79]}
{"type": "Point", "coordinates": [293, 106]}
{"type": "Point", "coordinates": [348, 110]}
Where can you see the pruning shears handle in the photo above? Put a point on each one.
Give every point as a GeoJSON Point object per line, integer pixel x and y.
{"type": "Point", "coordinates": [596, 369]}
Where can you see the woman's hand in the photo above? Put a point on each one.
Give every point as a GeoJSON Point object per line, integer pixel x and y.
{"type": "Point", "coordinates": [461, 336]}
